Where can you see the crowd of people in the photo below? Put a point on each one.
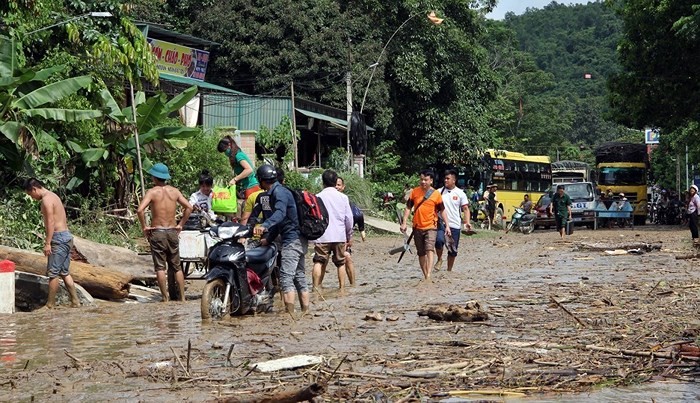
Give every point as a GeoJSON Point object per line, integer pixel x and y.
{"type": "Point", "coordinates": [439, 216]}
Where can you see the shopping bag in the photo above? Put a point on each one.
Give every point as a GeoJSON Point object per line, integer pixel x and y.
{"type": "Point", "coordinates": [224, 199]}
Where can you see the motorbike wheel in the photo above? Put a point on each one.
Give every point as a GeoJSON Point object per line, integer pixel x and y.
{"type": "Point", "coordinates": [528, 229]}
{"type": "Point", "coordinates": [213, 300]}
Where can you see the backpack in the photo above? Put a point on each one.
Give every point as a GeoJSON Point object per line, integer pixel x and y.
{"type": "Point", "coordinates": [312, 214]}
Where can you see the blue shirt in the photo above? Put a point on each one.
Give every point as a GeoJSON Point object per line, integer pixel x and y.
{"type": "Point", "coordinates": [284, 215]}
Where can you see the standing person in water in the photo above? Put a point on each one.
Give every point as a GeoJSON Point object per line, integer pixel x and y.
{"type": "Point", "coordinates": [243, 170]}
{"type": "Point", "coordinates": [58, 241]}
{"type": "Point", "coordinates": [426, 205]}
{"type": "Point", "coordinates": [163, 232]}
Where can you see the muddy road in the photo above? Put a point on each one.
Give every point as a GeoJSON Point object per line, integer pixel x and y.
{"type": "Point", "coordinates": [529, 346]}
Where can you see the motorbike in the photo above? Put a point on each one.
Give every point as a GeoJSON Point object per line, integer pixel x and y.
{"type": "Point", "coordinates": [522, 221]}
{"type": "Point", "coordinates": [239, 280]}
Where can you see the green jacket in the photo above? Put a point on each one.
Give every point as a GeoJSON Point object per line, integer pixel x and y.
{"type": "Point", "coordinates": [561, 204]}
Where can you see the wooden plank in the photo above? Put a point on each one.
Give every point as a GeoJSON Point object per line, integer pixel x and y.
{"type": "Point", "coordinates": [296, 361]}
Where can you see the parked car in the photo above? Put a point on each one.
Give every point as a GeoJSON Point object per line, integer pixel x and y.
{"type": "Point", "coordinates": [582, 204]}
{"type": "Point", "coordinates": [544, 219]}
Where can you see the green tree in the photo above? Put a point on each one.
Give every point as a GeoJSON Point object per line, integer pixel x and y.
{"type": "Point", "coordinates": [660, 82]}
{"type": "Point", "coordinates": [25, 105]}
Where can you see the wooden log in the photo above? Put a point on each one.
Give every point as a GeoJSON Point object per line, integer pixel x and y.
{"type": "Point", "coordinates": [285, 396]}
{"type": "Point", "coordinates": [120, 259]}
{"type": "Point", "coordinates": [100, 282]}
{"type": "Point", "coordinates": [612, 246]}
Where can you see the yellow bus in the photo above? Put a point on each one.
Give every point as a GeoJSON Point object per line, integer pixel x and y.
{"type": "Point", "coordinates": [516, 175]}
{"type": "Point", "coordinates": [623, 168]}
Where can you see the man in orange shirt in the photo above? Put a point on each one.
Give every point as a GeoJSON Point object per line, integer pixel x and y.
{"type": "Point", "coordinates": [427, 204]}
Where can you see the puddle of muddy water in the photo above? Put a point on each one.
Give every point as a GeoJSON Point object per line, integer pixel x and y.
{"type": "Point", "coordinates": [144, 333]}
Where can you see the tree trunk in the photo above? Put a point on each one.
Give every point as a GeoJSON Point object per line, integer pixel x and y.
{"type": "Point", "coordinates": [100, 282]}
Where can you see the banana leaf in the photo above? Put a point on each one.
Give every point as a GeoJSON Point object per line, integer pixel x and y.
{"type": "Point", "coordinates": [150, 113]}
{"type": "Point", "coordinates": [45, 74]}
{"type": "Point", "coordinates": [181, 99]}
{"type": "Point", "coordinates": [53, 92]}
{"type": "Point", "coordinates": [11, 130]}
{"type": "Point", "coordinates": [8, 57]}
{"type": "Point", "coordinates": [111, 106]}
{"type": "Point", "coordinates": [93, 154]}
{"type": "Point", "coordinates": [65, 115]}
{"type": "Point", "coordinates": [45, 141]}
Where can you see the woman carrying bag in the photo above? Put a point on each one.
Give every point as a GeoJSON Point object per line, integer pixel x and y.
{"type": "Point", "coordinates": [244, 172]}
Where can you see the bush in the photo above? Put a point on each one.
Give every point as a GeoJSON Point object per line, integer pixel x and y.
{"type": "Point", "coordinates": [297, 181]}
{"type": "Point", "coordinates": [21, 222]}
{"type": "Point", "coordinates": [186, 164]}
{"type": "Point", "coordinates": [359, 190]}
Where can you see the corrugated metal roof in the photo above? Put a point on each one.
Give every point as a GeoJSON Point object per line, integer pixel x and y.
{"type": "Point", "coordinates": [150, 28]}
{"type": "Point", "coordinates": [203, 85]}
{"type": "Point", "coordinates": [340, 122]}
{"type": "Point", "coordinates": [246, 112]}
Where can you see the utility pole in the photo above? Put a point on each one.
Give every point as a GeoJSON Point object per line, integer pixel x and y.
{"type": "Point", "coordinates": [136, 140]}
{"type": "Point", "coordinates": [348, 81]}
{"type": "Point", "coordinates": [687, 175]}
{"type": "Point", "coordinates": [678, 174]}
{"type": "Point", "coordinates": [294, 132]}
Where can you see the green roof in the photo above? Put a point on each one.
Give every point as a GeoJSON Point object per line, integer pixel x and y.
{"type": "Point", "coordinates": [200, 84]}
{"type": "Point", "coordinates": [339, 123]}
{"type": "Point", "coordinates": [180, 39]}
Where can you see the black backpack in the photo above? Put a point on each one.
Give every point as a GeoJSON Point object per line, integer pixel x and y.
{"type": "Point", "coordinates": [312, 214]}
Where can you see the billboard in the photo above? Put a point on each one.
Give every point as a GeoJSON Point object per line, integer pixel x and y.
{"type": "Point", "coordinates": [178, 60]}
{"type": "Point", "coordinates": [651, 136]}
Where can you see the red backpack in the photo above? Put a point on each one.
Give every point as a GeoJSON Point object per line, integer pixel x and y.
{"type": "Point", "coordinates": [312, 213]}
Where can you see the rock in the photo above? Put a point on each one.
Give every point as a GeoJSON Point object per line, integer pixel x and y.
{"type": "Point", "coordinates": [32, 290]}
{"type": "Point", "coordinates": [392, 318]}
{"type": "Point", "coordinates": [374, 316]}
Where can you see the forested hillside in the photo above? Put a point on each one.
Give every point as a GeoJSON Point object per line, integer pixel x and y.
{"type": "Point", "coordinates": [575, 45]}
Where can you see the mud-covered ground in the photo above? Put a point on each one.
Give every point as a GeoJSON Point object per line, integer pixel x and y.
{"type": "Point", "coordinates": [528, 346]}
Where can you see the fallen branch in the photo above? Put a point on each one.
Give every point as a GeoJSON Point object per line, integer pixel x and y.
{"type": "Point", "coordinates": [285, 396]}
{"type": "Point", "coordinates": [437, 368]}
{"type": "Point", "coordinates": [654, 287]}
{"type": "Point", "coordinates": [563, 308]}
{"type": "Point", "coordinates": [76, 360]}
{"type": "Point", "coordinates": [486, 392]}
{"type": "Point", "coordinates": [418, 329]}
{"type": "Point", "coordinates": [359, 374]}
{"type": "Point", "coordinates": [670, 356]}
{"type": "Point", "coordinates": [691, 256]}
{"type": "Point", "coordinates": [180, 362]}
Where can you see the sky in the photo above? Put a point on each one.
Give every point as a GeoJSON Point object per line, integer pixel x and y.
{"type": "Point", "coordinates": [519, 6]}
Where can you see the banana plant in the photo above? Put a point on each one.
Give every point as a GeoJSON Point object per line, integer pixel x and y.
{"type": "Point", "coordinates": [151, 115]}
{"type": "Point", "coordinates": [25, 105]}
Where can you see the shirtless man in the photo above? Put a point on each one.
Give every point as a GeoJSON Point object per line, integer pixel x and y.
{"type": "Point", "coordinates": [58, 241]}
{"type": "Point", "coordinates": [163, 233]}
